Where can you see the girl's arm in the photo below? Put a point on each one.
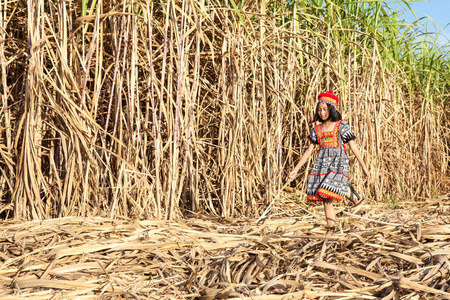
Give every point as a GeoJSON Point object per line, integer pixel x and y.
{"type": "Point", "coordinates": [300, 164]}
{"type": "Point", "coordinates": [355, 150]}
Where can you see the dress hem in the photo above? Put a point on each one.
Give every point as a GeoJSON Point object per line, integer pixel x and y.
{"type": "Point", "coordinates": [323, 194]}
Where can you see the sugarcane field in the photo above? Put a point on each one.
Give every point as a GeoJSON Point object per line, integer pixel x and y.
{"type": "Point", "coordinates": [233, 149]}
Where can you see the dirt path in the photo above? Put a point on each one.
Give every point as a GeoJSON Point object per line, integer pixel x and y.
{"type": "Point", "coordinates": [377, 252]}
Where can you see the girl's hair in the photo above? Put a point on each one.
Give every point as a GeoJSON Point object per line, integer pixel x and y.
{"type": "Point", "coordinates": [334, 115]}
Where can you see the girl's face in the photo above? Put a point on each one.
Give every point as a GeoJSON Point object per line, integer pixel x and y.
{"type": "Point", "coordinates": [323, 112]}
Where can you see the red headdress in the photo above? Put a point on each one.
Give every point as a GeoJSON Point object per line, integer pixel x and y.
{"type": "Point", "coordinates": [329, 97]}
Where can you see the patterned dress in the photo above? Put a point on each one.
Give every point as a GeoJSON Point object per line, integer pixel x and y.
{"type": "Point", "coordinates": [329, 175]}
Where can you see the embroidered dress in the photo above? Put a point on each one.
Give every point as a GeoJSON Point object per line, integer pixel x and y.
{"type": "Point", "coordinates": [329, 175]}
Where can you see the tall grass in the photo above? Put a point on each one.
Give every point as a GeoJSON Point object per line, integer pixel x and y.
{"type": "Point", "coordinates": [149, 109]}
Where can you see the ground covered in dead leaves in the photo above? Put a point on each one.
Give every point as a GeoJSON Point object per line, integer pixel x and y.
{"type": "Point", "coordinates": [377, 253]}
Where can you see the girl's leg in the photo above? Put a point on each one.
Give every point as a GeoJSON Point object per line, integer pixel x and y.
{"type": "Point", "coordinates": [330, 215]}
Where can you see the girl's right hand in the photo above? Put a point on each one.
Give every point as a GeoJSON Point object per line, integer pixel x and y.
{"type": "Point", "coordinates": [291, 175]}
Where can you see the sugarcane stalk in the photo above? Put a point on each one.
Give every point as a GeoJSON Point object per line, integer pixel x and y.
{"type": "Point", "coordinates": [155, 125]}
{"type": "Point", "coordinates": [118, 111]}
{"type": "Point", "coordinates": [176, 150]}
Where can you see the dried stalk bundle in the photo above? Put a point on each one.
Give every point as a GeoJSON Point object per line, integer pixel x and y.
{"type": "Point", "coordinates": [149, 109]}
{"type": "Point", "coordinates": [377, 253]}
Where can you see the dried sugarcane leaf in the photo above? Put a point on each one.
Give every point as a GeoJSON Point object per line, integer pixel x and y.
{"type": "Point", "coordinates": [58, 284]}
{"type": "Point", "coordinates": [371, 275]}
{"type": "Point", "coordinates": [409, 258]}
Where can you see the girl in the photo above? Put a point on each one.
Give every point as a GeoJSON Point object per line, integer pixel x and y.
{"type": "Point", "coordinates": [328, 180]}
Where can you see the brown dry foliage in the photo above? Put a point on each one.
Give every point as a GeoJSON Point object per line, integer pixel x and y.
{"type": "Point", "coordinates": [377, 253]}
{"type": "Point", "coordinates": [149, 109]}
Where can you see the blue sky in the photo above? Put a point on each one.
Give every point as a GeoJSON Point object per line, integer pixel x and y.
{"type": "Point", "coordinates": [438, 10]}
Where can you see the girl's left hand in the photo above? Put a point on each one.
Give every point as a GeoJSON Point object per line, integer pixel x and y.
{"type": "Point", "coordinates": [366, 172]}
{"type": "Point", "coordinates": [291, 175]}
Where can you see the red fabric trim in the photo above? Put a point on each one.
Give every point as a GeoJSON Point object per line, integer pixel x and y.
{"type": "Point", "coordinates": [333, 135]}
{"type": "Point", "coordinates": [313, 198]}
{"type": "Point", "coordinates": [328, 173]}
{"type": "Point", "coordinates": [323, 193]}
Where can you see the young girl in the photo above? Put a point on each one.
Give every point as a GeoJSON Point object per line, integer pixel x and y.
{"type": "Point", "coordinates": [328, 180]}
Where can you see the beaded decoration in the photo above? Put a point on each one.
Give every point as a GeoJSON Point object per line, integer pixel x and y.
{"type": "Point", "coordinates": [328, 138]}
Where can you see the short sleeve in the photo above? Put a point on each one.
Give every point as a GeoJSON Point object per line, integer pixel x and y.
{"type": "Point", "coordinates": [346, 133]}
{"type": "Point", "coordinates": [312, 137]}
